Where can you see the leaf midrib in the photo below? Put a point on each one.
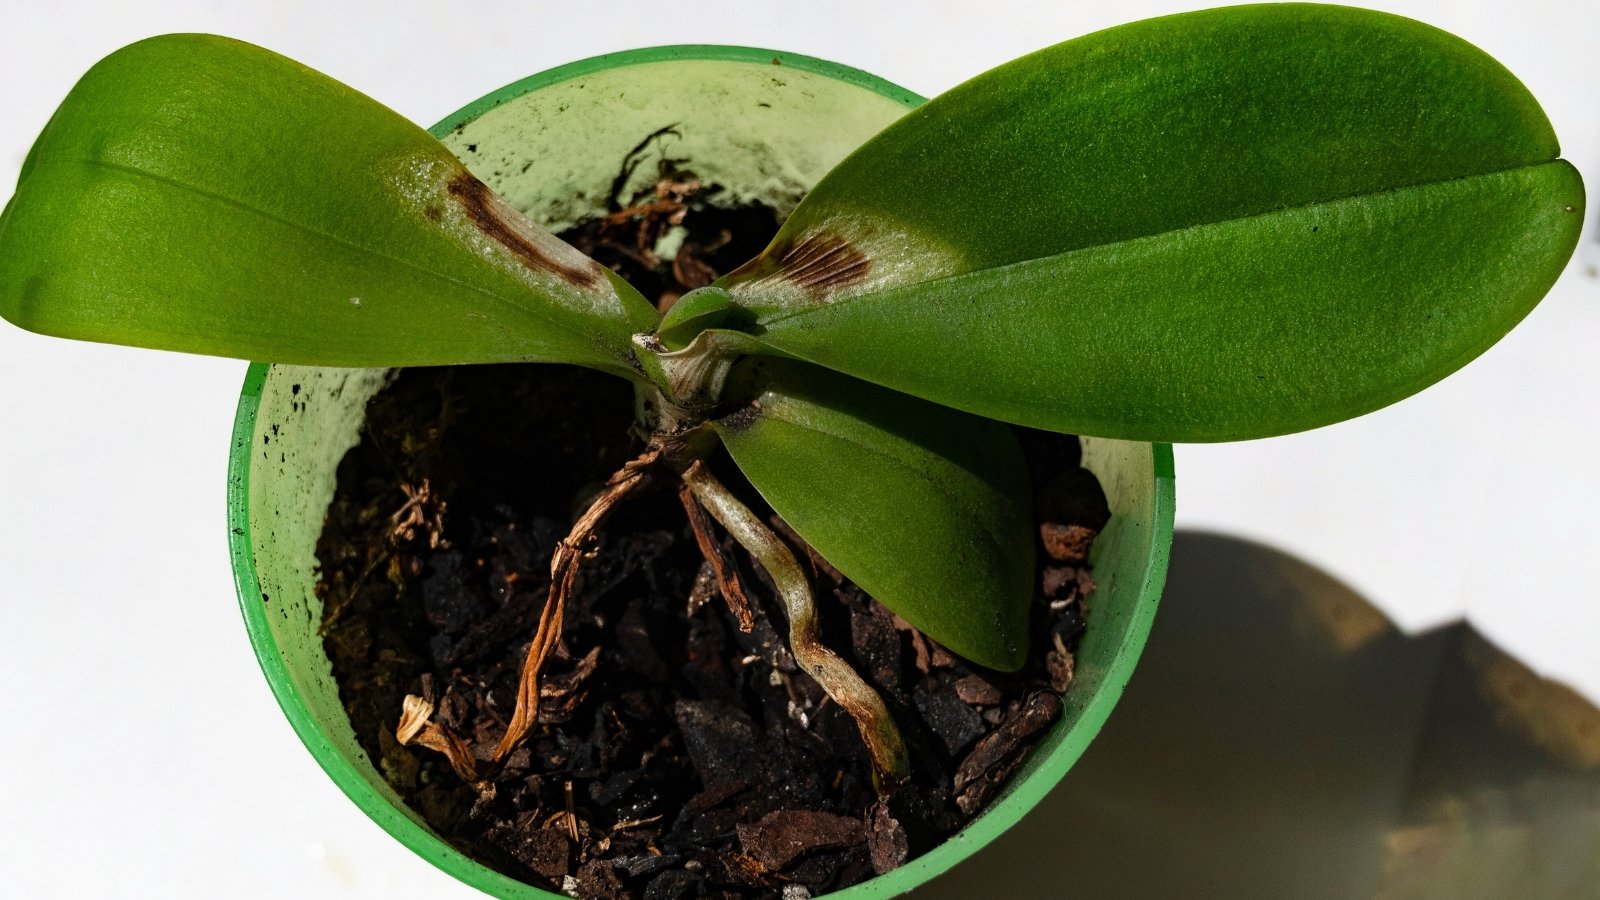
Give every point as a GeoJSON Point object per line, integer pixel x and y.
{"type": "Point", "coordinates": [506, 302]}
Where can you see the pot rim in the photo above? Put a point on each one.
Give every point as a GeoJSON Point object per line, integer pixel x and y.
{"type": "Point", "coordinates": [1019, 797]}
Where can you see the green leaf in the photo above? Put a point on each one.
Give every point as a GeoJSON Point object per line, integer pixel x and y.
{"type": "Point", "coordinates": [924, 507]}
{"type": "Point", "coordinates": [1209, 226]}
{"type": "Point", "coordinates": [201, 194]}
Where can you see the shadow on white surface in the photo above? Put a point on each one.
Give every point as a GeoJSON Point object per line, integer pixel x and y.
{"type": "Point", "coordinates": [1281, 738]}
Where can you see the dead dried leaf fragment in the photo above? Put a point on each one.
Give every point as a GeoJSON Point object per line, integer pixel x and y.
{"type": "Point", "coordinates": [416, 727]}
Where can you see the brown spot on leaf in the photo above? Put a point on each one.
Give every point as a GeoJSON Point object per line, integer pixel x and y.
{"type": "Point", "coordinates": [480, 204]}
{"type": "Point", "coordinates": [816, 263]}
{"type": "Point", "coordinates": [822, 262]}
{"type": "Point", "coordinates": [434, 212]}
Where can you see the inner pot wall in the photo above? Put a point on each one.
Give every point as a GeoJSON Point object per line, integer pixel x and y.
{"type": "Point", "coordinates": [766, 126]}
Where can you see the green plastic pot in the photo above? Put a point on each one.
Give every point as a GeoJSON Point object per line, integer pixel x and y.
{"type": "Point", "coordinates": [766, 126]}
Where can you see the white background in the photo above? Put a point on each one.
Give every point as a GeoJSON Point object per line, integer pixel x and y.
{"type": "Point", "coordinates": [141, 752]}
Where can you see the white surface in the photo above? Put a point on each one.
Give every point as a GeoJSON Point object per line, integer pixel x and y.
{"type": "Point", "coordinates": [167, 768]}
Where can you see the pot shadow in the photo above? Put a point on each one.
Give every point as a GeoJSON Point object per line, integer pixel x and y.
{"type": "Point", "coordinates": [1281, 738]}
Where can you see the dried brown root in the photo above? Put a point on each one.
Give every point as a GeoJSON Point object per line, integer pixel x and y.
{"type": "Point", "coordinates": [563, 573]}
{"type": "Point", "coordinates": [727, 574]}
{"type": "Point", "coordinates": [416, 728]}
{"type": "Point", "coordinates": [891, 766]}
{"type": "Point", "coordinates": [423, 511]}
{"type": "Point", "coordinates": [653, 218]}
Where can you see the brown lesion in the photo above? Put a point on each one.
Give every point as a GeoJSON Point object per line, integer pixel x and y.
{"type": "Point", "coordinates": [480, 205]}
{"type": "Point", "coordinates": [818, 263]}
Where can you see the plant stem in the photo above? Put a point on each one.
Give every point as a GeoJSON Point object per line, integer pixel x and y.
{"type": "Point", "coordinates": [563, 572]}
{"type": "Point", "coordinates": [890, 763]}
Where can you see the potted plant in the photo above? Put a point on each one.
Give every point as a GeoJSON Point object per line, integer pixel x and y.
{"type": "Point", "coordinates": [1271, 262]}
{"type": "Point", "coordinates": [284, 487]}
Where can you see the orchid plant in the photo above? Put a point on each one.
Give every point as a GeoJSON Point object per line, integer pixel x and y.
{"type": "Point", "coordinates": [1206, 227]}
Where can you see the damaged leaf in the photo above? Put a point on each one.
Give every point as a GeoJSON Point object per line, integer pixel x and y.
{"type": "Point", "coordinates": [202, 194]}
{"type": "Point", "coordinates": [1212, 226]}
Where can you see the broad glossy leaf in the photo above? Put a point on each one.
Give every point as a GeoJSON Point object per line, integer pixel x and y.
{"type": "Point", "coordinates": [201, 194]}
{"type": "Point", "coordinates": [1209, 226]}
{"type": "Point", "coordinates": [925, 507]}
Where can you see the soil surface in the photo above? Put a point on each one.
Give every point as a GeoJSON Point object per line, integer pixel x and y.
{"type": "Point", "coordinates": [675, 756]}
